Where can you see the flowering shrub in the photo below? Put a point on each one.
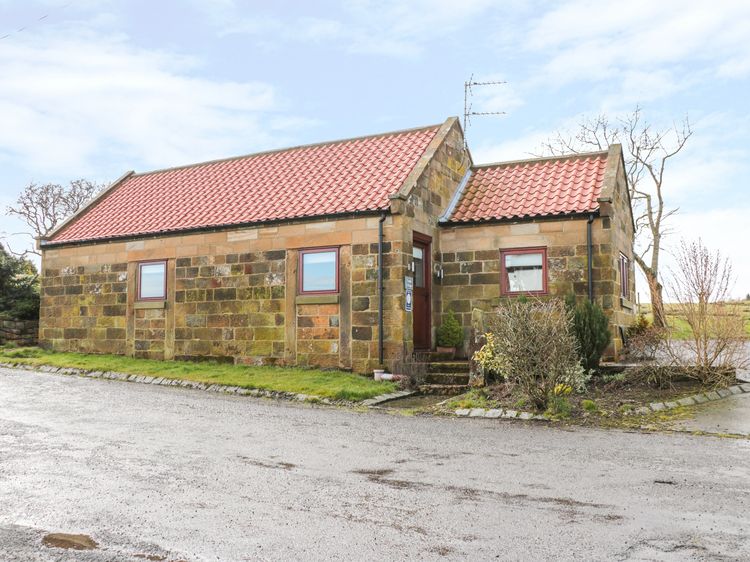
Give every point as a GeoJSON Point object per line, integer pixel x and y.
{"type": "Point", "coordinates": [493, 365]}
{"type": "Point", "coordinates": [532, 346]}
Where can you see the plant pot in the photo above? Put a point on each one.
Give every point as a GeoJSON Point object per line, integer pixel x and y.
{"type": "Point", "coordinates": [447, 351]}
{"type": "Point", "coordinates": [378, 374]}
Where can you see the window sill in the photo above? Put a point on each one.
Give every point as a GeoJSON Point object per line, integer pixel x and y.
{"type": "Point", "coordinates": [625, 303]}
{"type": "Point", "coordinates": [150, 304]}
{"type": "Point", "coordinates": [317, 299]}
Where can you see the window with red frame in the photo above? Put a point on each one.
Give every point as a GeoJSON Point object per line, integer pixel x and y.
{"type": "Point", "coordinates": [319, 271]}
{"type": "Point", "coordinates": [523, 271]}
{"type": "Point", "coordinates": [152, 280]}
{"type": "Point", "coordinates": [624, 276]}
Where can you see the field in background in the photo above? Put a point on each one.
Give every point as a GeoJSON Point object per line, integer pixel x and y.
{"type": "Point", "coordinates": [679, 326]}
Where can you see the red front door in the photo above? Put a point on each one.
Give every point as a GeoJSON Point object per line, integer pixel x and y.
{"type": "Point", "coordinates": [421, 306]}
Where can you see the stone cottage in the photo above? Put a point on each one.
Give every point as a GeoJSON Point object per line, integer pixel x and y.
{"type": "Point", "coordinates": [341, 254]}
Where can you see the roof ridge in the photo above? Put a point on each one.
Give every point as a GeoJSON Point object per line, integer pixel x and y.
{"type": "Point", "coordinates": [287, 149]}
{"type": "Point", "coordinates": [543, 159]}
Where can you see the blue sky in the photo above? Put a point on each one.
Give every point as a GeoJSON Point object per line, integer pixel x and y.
{"type": "Point", "coordinates": [97, 88]}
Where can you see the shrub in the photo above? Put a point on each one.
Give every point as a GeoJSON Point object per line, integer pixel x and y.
{"type": "Point", "coordinates": [19, 287]}
{"type": "Point", "coordinates": [645, 344]}
{"type": "Point", "coordinates": [589, 405]}
{"type": "Point", "coordinates": [559, 407]}
{"type": "Point", "coordinates": [639, 325]}
{"type": "Point", "coordinates": [450, 333]}
{"type": "Point", "coordinates": [701, 289]}
{"type": "Point", "coordinates": [490, 362]}
{"type": "Point", "coordinates": [591, 329]}
{"type": "Point", "coordinates": [533, 348]}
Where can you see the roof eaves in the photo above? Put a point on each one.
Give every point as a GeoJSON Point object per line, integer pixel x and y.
{"type": "Point", "coordinates": [526, 218]}
{"type": "Point", "coordinates": [41, 241]}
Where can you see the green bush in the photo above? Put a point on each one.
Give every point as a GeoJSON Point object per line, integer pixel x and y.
{"type": "Point", "coordinates": [589, 405]}
{"type": "Point", "coordinates": [532, 347]}
{"type": "Point", "coordinates": [591, 329]}
{"type": "Point", "coordinates": [558, 407]}
{"type": "Point", "coordinates": [450, 333]}
{"type": "Point", "coordinates": [640, 325]}
{"type": "Point", "coordinates": [19, 287]}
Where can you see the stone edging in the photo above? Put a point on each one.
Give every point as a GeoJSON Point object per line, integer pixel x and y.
{"type": "Point", "coordinates": [700, 398]}
{"type": "Point", "coordinates": [226, 389]}
{"type": "Point", "coordinates": [377, 400]}
{"type": "Point", "coordinates": [498, 413]}
{"type": "Point", "coordinates": [695, 399]}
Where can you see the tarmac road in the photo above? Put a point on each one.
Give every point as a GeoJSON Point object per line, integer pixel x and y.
{"type": "Point", "coordinates": [178, 474]}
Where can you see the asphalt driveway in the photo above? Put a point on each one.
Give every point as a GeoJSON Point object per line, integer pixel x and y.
{"type": "Point", "coordinates": [183, 475]}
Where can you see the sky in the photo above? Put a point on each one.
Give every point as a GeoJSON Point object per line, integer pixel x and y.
{"type": "Point", "coordinates": [93, 88]}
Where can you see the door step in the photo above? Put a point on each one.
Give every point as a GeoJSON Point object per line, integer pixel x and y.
{"type": "Point", "coordinates": [443, 389]}
{"type": "Point", "coordinates": [448, 376]}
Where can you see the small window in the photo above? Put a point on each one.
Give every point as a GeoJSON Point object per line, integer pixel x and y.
{"type": "Point", "coordinates": [624, 276]}
{"type": "Point", "coordinates": [524, 271]}
{"type": "Point", "coordinates": [418, 267]}
{"type": "Point", "coordinates": [319, 271]}
{"type": "Point", "coordinates": [152, 280]}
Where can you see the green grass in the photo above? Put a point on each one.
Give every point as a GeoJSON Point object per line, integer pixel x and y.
{"type": "Point", "coordinates": [679, 327]}
{"type": "Point", "coordinates": [337, 385]}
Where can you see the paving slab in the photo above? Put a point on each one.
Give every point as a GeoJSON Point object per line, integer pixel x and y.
{"type": "Point", "coordinates": [730, 415]}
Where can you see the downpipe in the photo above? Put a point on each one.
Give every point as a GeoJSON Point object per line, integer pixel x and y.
{"type": "Point", "coordinates": [590, 250]}
{"type": "Point", "coordinates": [381, 352]}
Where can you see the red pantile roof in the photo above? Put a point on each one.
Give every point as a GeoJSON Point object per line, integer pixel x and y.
{"type": "Point", "coordinates": [349, 176]}
{"type": "Point", "coordinates": [532, 188]}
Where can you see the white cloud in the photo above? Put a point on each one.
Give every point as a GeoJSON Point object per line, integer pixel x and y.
{"type": "Point", "coordinates": [599, 40]}
{"type": "Point", "coordinates": [398, 28]}
{"type": "Point", "coordinates": [71, 98]}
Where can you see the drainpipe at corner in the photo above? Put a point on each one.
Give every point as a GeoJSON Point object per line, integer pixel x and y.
{"type": "Point", "coordinates": [590, 250]}
{"type": "Point", "coordinates": [380, 289]}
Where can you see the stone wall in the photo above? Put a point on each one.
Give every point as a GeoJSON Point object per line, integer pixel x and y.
{"type": "Point", "coordinates": [617, 222]}
{"type": "Point", "coordinates": [19, 332]}
{"type": "Point", "coordinates": [231, 296]}
{"type": "Point", "coordinates": [422, 205]}
{"type": "Point", "coordinates": [472, 277]}
{"type": "Point", "coordinates": [230, 306]}
{"type": "Point", "coordinates": [83, 307]}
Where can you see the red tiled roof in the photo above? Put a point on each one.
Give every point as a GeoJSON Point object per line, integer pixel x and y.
{"type": "Point", "coordinates": [325, 179]}
{"type": "Point", "coordinates": [532, 188]}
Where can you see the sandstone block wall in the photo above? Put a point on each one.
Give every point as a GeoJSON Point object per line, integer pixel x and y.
{"type": "Point", "coordinates": [19, 332]}
{"type": "Point", "coordinates": [231, 296]}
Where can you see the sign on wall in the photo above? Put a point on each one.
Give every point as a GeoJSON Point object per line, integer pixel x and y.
{"type": "Point", "coordinates": [409, 285]}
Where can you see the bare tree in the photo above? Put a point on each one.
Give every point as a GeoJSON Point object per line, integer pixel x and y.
{"type": "Point", "coordinates": [44, 207]}
{"type": "Point", "coordinates": [647, 152]}
{"type": "Point", "coordinates": [700, 285]}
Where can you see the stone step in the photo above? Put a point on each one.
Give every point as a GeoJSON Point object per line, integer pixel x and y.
{"type": "Point", "coordinates": [442, 389]}
{"type": "Point", "coordinates": [447, 378]}
{"type": "Point", "coordinates": [429, 356]}
{"type": "Point", "coordinates": [449, 367]}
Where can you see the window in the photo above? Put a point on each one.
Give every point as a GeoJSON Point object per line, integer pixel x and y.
{"type": "Point", "coordinates": [524, 271]}
{"type": "Point", "coordinates": [152, 280]}
{"type": "Point", "coordinates": [319, 271]}
{"type": "Point", "coordinates": [624, 276]}
{"type": "Point", "coordinates": [418, 266]}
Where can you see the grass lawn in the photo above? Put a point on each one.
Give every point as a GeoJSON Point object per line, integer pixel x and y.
{"type": "Point", "coordinates": [337, 385]}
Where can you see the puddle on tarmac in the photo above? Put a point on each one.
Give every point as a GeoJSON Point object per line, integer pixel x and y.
{"type": "Point", "coordinates": [71, 542]}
